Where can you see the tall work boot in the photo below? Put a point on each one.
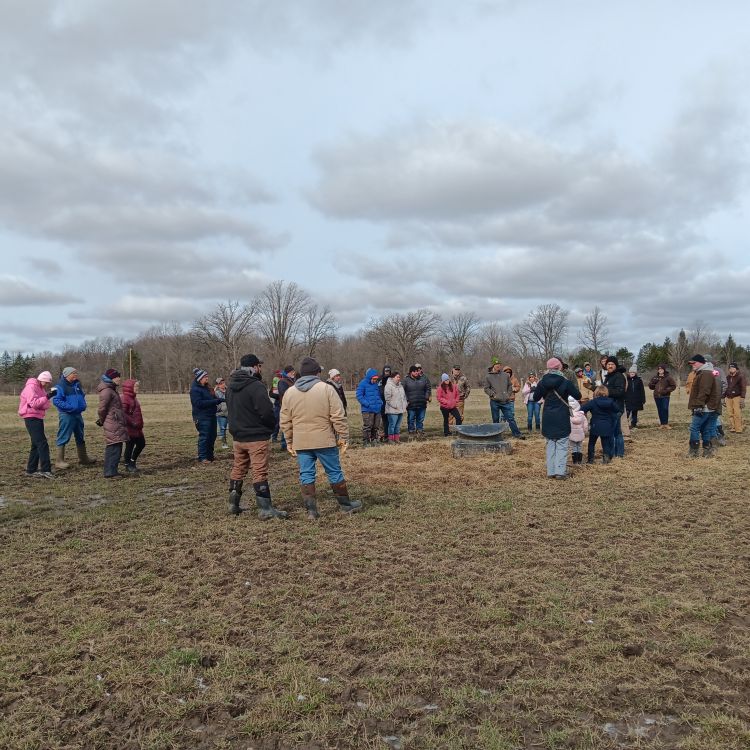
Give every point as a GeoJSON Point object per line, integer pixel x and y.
{"type": "Point", "coordinates": [308, 495]}
{"type": "Point", "coordinates": [83, 458]}
{"type": "Point", "coordinates": [708, 449]}
{"type": "Point", "coordinates": [263, 501]}
{"type": "Point", "coordinates": [235, 493]}
{"type": "Point", "coordinates": [342, 495]}
{"type": "Point", "coordinates": [60, 462]}
{"type": "Point", "coordinates": [694, 451]}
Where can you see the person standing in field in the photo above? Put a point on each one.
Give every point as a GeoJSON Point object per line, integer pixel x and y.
{"type": "Point", "coordinates": [395, 406]}
{"type": "Point", "coordinates": [635, 396]}
{"type": "Point", "coordinates": [70, 401]}
{"type": "Point", "coordinates": [32, 407]}
{"type": "Point", "coordinates": [735, 397]}
{"type": "Point", "coordinates": [313, 420]}
{"type": "Point", "coordinates": [384, 377]}
{"type": "Point", "coordinates": [499, 389]}
{"type": "Point", "coordinates": [533, 408]}
{"type": "Point", "coordinates": [555, 389]}
{"type": "Point", "coordinates": [337, 383]}
{"type": "Point", "coordinates": [112, 418]}
{"type": "Point", "coordinates": [663, 385]}
{"type": "Point", "coordinates": [447, 396]}
{"type": "Point", "coordinates": [579, 426]}
{"type": "Point", "coordinates": [617, 386]}
{"type": "Point", "coordinates": [418, 392]}
{"type": "Point", "coordinates": [288, 376]}
{"type": "Point", "coordinates": [251, 422]}
{"type": "Point", "coordinates": [220, 392]}
{"type": "Point", "coordinates": [204, 404]}
{"type": "Point", "coordinates": [131, 408]}
{"type": "Point", "coordinates": [705, 406]}
{"type": "Point", "coordinates": [273, 393]}
{"type": "Point", "coordinates": [371, 404]}
{"type": "Point", "coordinates": [464, 389]}
{"type": "Point", "coordinates": [585, 384]}
{"type": "Point", "coordinates": [604, 415]}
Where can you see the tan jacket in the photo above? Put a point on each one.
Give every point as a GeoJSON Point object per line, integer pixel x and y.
{"type": "Point", "coordinates": [308, 420]}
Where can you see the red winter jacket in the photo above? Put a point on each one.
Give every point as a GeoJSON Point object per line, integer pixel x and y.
{"type": "Point", "coordinates": [131, 408]}
{"type": "Point", "coordinates": [448, 397]}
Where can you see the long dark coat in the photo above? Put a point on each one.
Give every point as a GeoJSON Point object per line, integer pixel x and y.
{"type": "Point", "coordinates": [556, 413]}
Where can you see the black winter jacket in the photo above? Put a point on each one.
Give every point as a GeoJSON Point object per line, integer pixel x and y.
{"type": "Point", "coordinates": [417, 391]}
{"type": "Point", "coordinates": [616, 385]}
{"type": "Point", "coordinates": [635, 396]}
{"type": "Point", "coordinates": [250, 411]}
{"type": "Point", "coordinates": [556, 413]}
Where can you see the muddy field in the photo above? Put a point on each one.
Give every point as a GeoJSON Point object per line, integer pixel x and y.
{"type": "Point", "coordinates": [473, 604]}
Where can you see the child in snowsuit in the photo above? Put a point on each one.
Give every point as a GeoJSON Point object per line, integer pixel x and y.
{"type": "Point", "coordinates": [604, 414]}
{"type": "Point", "coordinates": [579, 426]}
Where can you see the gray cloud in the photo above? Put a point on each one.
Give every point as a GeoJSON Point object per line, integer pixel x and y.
{"type": "Point", "coordinates": [17, 292]}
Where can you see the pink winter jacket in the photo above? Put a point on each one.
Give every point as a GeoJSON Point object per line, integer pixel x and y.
{"type": "Point", "coordinates": [448, 397]}
{"type": "Point", "coordinates": [34, 401]}
{"type": "Point", "coordinates": [579, 426]}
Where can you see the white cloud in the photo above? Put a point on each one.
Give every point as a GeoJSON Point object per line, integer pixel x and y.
{"type": "Point", "coordinates": [17, 292]}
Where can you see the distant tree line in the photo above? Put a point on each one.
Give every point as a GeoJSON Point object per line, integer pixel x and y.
{"type": "Point", "coordinates": [283, 324]}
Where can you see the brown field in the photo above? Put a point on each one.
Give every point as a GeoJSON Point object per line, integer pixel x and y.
{"type": "Point", "coordinates": [473, 604]}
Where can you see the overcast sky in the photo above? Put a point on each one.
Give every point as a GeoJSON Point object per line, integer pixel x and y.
{"type": "Point", "coordinates": [159, 156]}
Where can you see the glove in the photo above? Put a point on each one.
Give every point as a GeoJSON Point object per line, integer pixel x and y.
{"type": "Point", "coordinates": [291, 450]}
{"type": "Point", "coordinates": [52, 392]}
{"type": "Point", "coordinates": [99, 423]}
{"type": "Point", "coordinates": [343, 446]}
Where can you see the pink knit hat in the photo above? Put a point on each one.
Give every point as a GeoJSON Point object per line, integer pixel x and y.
{"type": "Point", "coordinates": [44, 377]}
{"type": "Point", "coordinates": [554, 364]}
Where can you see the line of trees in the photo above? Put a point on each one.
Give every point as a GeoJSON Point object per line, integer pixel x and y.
{"type": "Point", "coordinates": [284, 323]}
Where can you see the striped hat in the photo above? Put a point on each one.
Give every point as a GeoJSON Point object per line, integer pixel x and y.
{"type": "Point", "coordinates": [199, 374]}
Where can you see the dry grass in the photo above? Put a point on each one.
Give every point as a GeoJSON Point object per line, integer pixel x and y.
{"type": "Point", "coordinates": [474, 604]}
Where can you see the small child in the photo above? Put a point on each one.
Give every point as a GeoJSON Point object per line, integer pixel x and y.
{"type": "Point", "coordinates": [604, 414]}
{"type": "Point", "coordinates": [579, 426]}
{"type": "Point", "coordinates": [131, 409]}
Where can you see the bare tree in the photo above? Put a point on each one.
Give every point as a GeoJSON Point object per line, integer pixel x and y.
{"type": "Point", "coordinates": [458, 334]}
{"type": "Point", "coordinates": [319, 326]}
{"type": "Point", "coordinates": [594, 332]}
{"type": "Point", "coordinates": [679, 353]}
{"type": "Point", "coordinates": [701, 337]}
{"type": "Point", "coordinates": [401, 337]}
{"type": "Point", "coordinates": [226, 327]}
{"type": "Point", "coordinates": [494, 339]}
{"type": "Point", "coordinates": [543, 330]}
{"type": "Point", "coordinates": [282, 308]}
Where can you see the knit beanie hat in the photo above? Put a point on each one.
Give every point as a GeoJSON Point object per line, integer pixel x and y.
{"type": "Point", "coordinates": [199, 374]}
{"type": "Point", "coordinates": [613, 359]}
{"type": "Point", "coordinates": [633, 368]}
{"type": "Point", "coordinates": [445, 377]}
{"type": "Point", "coordinates": [68, 371]}
{"type": "Point", "coordinates": [44, 377]}
{"type": "Point", "coordinates": [333, 373]}
{"type": "Point", "coordinates": [309, 366]}
{"type": "Point", "coordinates": [554, 364]}
{"type": "Point", "coordinates": [112, 373]}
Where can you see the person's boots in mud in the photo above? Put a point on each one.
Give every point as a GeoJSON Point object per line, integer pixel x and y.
{"type": "Point", "coordinates": [235, 494]}
{"type": "Point", "coordinates": [346, 505]}
{"type": "Point", "coordinates": [263, 501]}
{"type": "Point", "coordinates": [311, 506]}
{"type": "Point", "coordinates": [708, 449]}
{"type": "Point", "coordinates": [694, 450]}
{"type": "Point", "coordinates": [83, 457]}
{"type": "Point", "coordinates": [60, 462]}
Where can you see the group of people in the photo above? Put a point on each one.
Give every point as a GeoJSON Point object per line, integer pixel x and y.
{"type": "Point", "coordinates": [310, 415]}
{"type": "Point", "coordinates": [120, 418]}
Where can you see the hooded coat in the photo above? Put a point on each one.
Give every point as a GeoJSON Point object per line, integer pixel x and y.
{"type": "Point", "coordinates": [70, 398]}
{"type": "Point", "coordinates": [662, 385]}
{"type": "Point", "coordinates": [556, 412]}
{"type": "Point", "coordinates": [448, 395]}
{"type": "Point", "coordinates": [131, 408]}
{"type": "Point", "coordinates": [368, 393]}
{"type": "Point", "coordinates": [395, 398]}
{"type": "Point", "coordinates": [202, 400]}
{"type": "Point", "coordinates": [249, 409]}
{"type": "Point", "coordinates": [635, 396]}
{"type": "Point", "coordinates": [110, 413]}
{"type": "Point", "coordinates": [617, 386]}
{"type": "Point", "coordinates": [604, 414]}
{"type": "Point", "coordinates": [34, 400]}
{"type": "Point", "coordinates": [312, 416]}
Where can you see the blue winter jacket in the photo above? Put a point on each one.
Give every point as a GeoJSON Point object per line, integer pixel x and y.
{"type": "Point", "coordinates": [70, 397]}
{"type": "Point", "coordinates": [604, 415]}
{"type": "Point", "coordinates": [368, 393]}
{"type": "Point", "coordinates": [203, 401]}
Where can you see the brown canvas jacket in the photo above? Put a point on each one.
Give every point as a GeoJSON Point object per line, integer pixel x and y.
{"type": "Point", "coordinates": [308, 419]}
{"type": "Point", "coordinates": [705, 391]}
{"type": "Point", "coordinates": [736, 385]}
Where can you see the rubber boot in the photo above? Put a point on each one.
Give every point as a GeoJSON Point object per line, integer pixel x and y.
{"type": "Point", "coordinates": [60, 462]}
{"type": "Point", "coordinates": [235, 493]}
{"type": "Point", "coordinates": [308, 495]}
{"type": "Point", "coordinates": [83, 457]}
{"type": "Point", "coordinates": [606, 459]}
{"type": "Point", "coordinates": [131, 468]}
{"type": "Point", "coordinates": [263, 501]}
{"type": "Point", "coordinates": [708, 449]}
{"type": "Point", "coordinates": [694, 451]}
{"type": "Point", "coordinates": [342, 495]}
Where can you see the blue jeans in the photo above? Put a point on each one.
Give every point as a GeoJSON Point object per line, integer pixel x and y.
{"type": "Point", "coordinates": [329, 459]}
{"type": "Point", "coordinates": [703, 426]}
{"type": "Point", "coordinates": [533, 413]}
{"type": "Point", "coordinates": [415, 420]}
{"type": "Point", "coordinates": [70, 425]}
{"type": "Point", "coordinates": [557, 457]}
{"type": "Point", "coordinates": [206, 427]}
{"type": "Point", "coordinates": [221, 424]}
{"type": "Point", "coordinates": [662, 408]}
{"type": "Point", "coordinates": [394, 423]}
{"type": "Point", "coordinates": [619, 439]}
{"type": "Point", "coordinates": [508, 410]}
